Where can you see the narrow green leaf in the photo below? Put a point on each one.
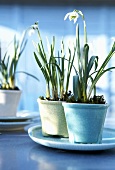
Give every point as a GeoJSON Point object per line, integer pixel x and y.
{"type": "Point", "coordinates": [93, 60]}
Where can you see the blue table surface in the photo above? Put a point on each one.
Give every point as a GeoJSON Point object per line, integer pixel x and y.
{"type": "Point", "coordinates": [19, 152]}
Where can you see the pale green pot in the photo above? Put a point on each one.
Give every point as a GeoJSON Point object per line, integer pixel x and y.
{"type": "Point", "coordinates": [52, 118]}
{"type": "Point", "coordinates": [85, 122]}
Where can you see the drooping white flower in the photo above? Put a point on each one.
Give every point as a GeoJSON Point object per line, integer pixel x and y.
{"type": "Point", "coordinates": [31, 31]}
{"type": "Point", "coordinates": [32, 28]}
{"type": "Point", "coordinates": [72, 16]}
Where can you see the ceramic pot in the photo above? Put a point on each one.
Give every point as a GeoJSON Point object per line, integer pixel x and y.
{"type": "Point", "coordinates": [52, 118]}
{"type": "Point", "coordinates": [85, 122]}
{"type": "Point", "coordinates": [9, 100]}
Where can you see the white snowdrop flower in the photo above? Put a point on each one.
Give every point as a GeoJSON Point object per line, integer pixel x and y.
{"type": "Point", "coordinates": [72, 16]}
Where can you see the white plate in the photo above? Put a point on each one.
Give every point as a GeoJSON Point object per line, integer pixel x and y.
{"type": "Point", "coordinates": [9, 126]}
{"type": "Point", "coordinates": [21, 116]}
{"type": "Point", "coordinates": [108, 141]}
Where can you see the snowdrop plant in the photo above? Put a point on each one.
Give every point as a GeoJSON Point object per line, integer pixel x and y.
{"type": "Point", "coordinates": [88, 73]}
{"type": "Point", "coordinates": [52, 66]}
{"type": "Point", "coordinates": [8, 65]}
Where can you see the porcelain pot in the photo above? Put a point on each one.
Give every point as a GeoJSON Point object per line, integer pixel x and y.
{"type": "Point", "coordinates": [9, 100]}
{"type": "Point", "coordinates": [52, 118]}
{"type": "Point", "coordinates": [85, 122]}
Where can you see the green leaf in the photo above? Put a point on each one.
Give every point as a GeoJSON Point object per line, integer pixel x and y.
{"type": "Point", "coordinates": [93, 60]}
{"type": "Point", "coordinates": [45, 73]}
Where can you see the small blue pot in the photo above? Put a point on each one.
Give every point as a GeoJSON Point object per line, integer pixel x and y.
{"type": "Point", "coordinates": [85, 121]}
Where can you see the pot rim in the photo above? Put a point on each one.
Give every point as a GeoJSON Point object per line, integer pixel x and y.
{"type": "Point", "coordinates": [85, 105]}
{"type": "Point", "coordinates": [10, 91]}
{"type": "Point", "coordinates": [48, 101]}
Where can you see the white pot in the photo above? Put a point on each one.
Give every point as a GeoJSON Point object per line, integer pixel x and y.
{"type": "Point", "coordinates": [52, 118]}
{"type": "Point", "coordinates": [9, 100]}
